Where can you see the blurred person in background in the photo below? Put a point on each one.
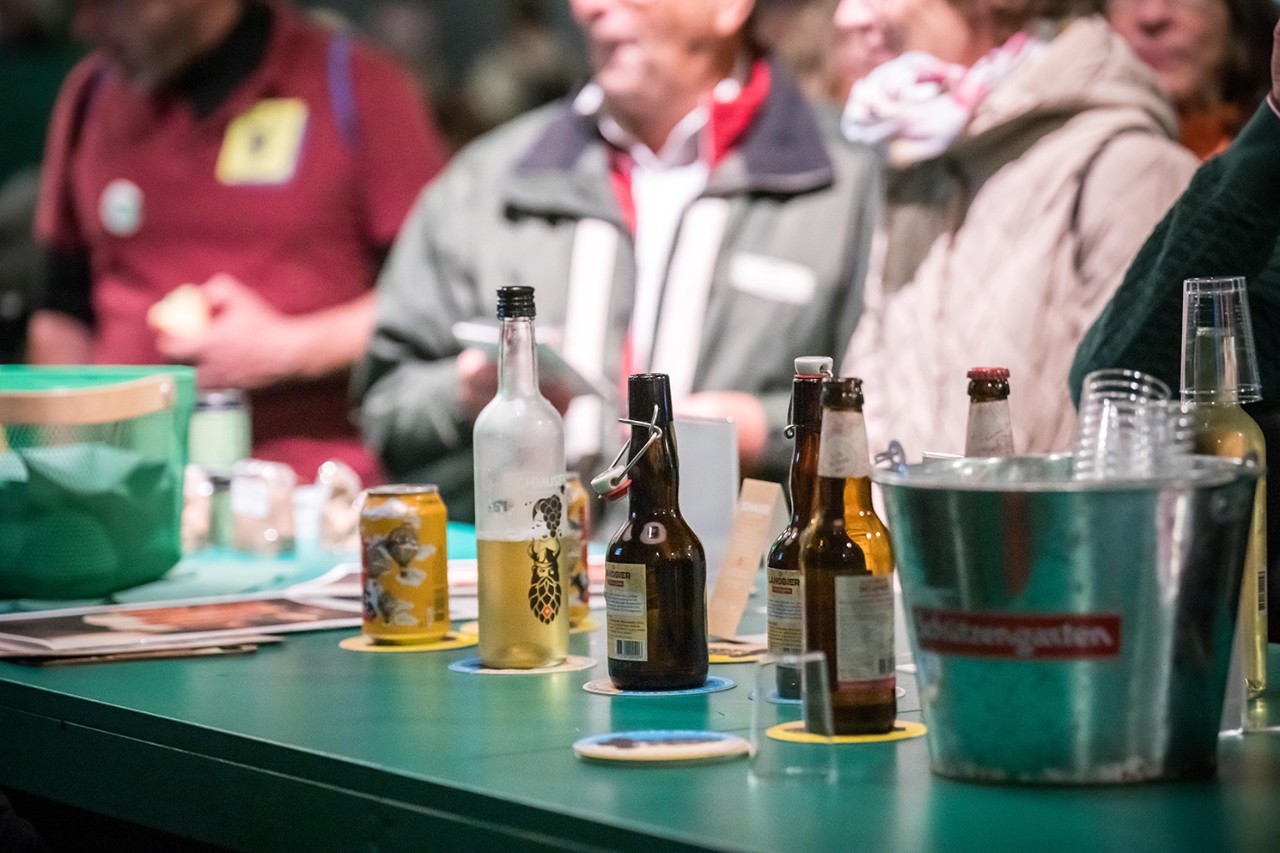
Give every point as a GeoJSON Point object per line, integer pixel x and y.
{"type": "Point", "coordinates": [530, 65]}
{"type": "Point", "coordinates": [35, 55]}
{"type": "Point", "coordinates": [860, 43]}
{"type": "Point", "coordinates": [1226, 223]}
{"type": "Point", "coordinates": [798, 33]}
{"type": "Point", "coordinates": [1210, 56]}
{"type": "Point", "coordinates": [687, 213]}
{"type": "Point", "coordinates": [238, 147]}
{"type": "Point", "coordinates": [1030, 155]}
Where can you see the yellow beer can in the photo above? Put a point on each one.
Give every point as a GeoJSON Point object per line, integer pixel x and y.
{"type": "Point", "coordinates": [574, 547]}
{"type": "Point", "coordinates": [403, 561]}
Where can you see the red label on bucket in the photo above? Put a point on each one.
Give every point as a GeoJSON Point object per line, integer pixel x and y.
{"type": "Point", "coordinates": [1023, 636]}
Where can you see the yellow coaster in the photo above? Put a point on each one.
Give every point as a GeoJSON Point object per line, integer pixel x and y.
{"type": "Point", "coordinates": [452, 640]}
{"type": "Point", "coordinates": [794, 732]}
{"type": "Point", "coordinates": [721, 651]}
{"type": "Point", "coordinates": [583, 627]}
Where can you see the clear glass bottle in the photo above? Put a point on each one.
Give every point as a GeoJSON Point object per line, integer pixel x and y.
{"type": "Point", "coordinates": [523, 590]}
{"type": "Point", "coordinates": [989, 430]}
{"type": "Point", "coordinates": [1219, 373]}
{"type": "Point", "coordinates": [784, 582]}
{"type": "Point", "coordinates": [847, 563]}
{"type": "Point", "coordinates": [655, 567]}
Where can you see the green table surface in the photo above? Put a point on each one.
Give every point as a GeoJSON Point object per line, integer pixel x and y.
{"type": "Point", "coordinates": [307, 746]}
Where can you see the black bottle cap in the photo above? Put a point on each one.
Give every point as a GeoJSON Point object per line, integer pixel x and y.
{"type": "Point", "coordinates": [646, 390]}
{"type": "Point", "coordinates": [515, 301]}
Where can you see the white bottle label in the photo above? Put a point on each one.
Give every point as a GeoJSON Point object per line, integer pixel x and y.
{"type": "Point", "coordinates": [864, 628]}
{"type": "Point", "coordinates": [785, 607]}
{"type": "Point", "coordinates": [626, 611]}
{"type": "Point", "coordinates": [518, 504]}
{"type": "Point", "coordinates": [842, 450]}
{"type": "Point", "coordinates": [989, 431]}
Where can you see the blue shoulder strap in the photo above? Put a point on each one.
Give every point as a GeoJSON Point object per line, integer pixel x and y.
{"type": "Point", "coordinates": [341, 89]}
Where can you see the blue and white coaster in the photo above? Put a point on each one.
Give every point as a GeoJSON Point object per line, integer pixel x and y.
{"type": "Point", "coordinates": [713, 684]}
{"type": "Point", "coordinates": [662, 747]}
{"type": "Point", "coordinates": [473, 666]}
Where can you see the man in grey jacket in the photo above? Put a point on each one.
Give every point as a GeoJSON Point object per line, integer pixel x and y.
{"type": "Point", "coordinates": [687, 213]}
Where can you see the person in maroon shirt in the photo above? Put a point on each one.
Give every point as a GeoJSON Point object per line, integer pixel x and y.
{"type": "Point", "coordinates": [236, 146]}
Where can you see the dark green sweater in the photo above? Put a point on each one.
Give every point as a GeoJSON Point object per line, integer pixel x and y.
{"type": "Point", "coordinates": [1226, 223]}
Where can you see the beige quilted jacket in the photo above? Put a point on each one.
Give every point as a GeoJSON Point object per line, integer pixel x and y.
{"type": "Point", "coordinates": [1002, 251]}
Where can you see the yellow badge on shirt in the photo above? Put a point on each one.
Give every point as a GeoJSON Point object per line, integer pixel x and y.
{"type": "Point", "coordinates": [262, 145]}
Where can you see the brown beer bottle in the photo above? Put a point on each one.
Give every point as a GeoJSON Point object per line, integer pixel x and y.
{"type": "Point", "coordinates": [847, 564]}
{"type": "Point", "coordinates": [785, 594]}
{"type": "Point", "coordinates": [655, 569]}
{"type": "Point", "coordinates": [989, 431]}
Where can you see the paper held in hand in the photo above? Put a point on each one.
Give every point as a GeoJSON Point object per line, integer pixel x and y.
{"type": "Point", "coordinates": [758, 517]}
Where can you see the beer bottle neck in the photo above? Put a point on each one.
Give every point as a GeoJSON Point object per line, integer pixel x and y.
{"type": "Point", "coordinates": [655, 478]}
{"type": "Point", "coordinates": [517, 358]}
{"type": "Point", "coordinates": [807, 415]}
{"type": "Point", "coordinates": [844, 464]}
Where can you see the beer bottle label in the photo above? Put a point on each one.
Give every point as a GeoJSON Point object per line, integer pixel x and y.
{"type": "Point", "coordinates": [785, 607]}
{"type": "Point", "coordinates": [988, 431]}
{"type": "Point", "coordinates": [842, 450]}
{"type": "Point", "coordinates": [864, 628]}
{"type": "Point", "coordinates": [626, 611]}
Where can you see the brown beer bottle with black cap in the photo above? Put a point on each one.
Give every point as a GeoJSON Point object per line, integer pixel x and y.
{"type": "Point", "coordinates": [785, 593]}
{"type": "Point", "coordinates": [655, 569]}
{"type": "Point", "coordinates": [988, 431]}
{"type": "Point", "coordinates": [847, 564]}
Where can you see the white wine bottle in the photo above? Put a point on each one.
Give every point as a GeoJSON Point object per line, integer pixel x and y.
{"type": "Point", "coordinates": [522, 582]}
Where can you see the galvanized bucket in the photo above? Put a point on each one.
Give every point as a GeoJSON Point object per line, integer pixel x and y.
{"type": "Point", "coordinates": [1070, 631]}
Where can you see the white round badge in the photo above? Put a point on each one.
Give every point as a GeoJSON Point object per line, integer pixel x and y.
{"type": "Point", "coordinates": [121, 208]}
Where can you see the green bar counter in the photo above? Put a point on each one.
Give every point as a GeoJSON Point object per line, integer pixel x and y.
{"type": "Point", "coordinates": [307, 746]}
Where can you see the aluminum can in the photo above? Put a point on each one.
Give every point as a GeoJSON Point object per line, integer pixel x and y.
{"type": "Point", "coordinates": [574, 547]}
{"type": "Point", "coordinates": [403, 560]}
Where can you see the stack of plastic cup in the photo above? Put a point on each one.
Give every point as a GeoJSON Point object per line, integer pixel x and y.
{"type": "Point", "coordinates": [1127, 426]}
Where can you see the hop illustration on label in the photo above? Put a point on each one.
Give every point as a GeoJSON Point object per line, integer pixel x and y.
{"type": "Point", "coordinates": [545, 593]}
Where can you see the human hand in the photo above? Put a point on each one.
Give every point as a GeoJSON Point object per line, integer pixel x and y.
{"type": "Point", "coordinates": [748, 417]}
{"type": "Point", "coordinates": [478, 384]}
{"type": "Point", "coordinates": [477, 380]}
{"type": "Point", "coordinates": [246, 344]}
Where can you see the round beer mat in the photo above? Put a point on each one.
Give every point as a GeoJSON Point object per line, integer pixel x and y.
{"type": "Point", "coordinates": [713, 684]}
{"type": "Point", "coordinates": [777, 699]}
{"type": "Point", "coordinates": [586, 626]}
{"type": "Point", "coordinates": [794, 732]}
{"type": "Point", "coordinates": [726, 652]}
{"type": "Point", "coordinates": [572, 663]}
{"type": "Point", "coordinates": [452, 640]}
{"type": "Point", "coordinates": [662, 747]}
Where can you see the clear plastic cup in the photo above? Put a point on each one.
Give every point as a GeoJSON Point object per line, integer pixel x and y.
{"type": "Point", "coordinates": [1125, 425]}
{"type": "Point", "coordinates": [1217, 341]}
{"type": "Point", "coordinates": [805, 750]}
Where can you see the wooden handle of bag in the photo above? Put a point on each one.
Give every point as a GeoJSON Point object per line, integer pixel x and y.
{"type": "Point", "coordinates": [96, 405]}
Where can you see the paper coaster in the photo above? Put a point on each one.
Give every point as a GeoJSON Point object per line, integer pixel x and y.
{"type": "Point", "coordinates": [472, 666]}
{"type": "Point", "coordinates": [713, 684]}
{"type": "Point", "coordinates": [452, 640]}
{"type": "Point", "coordinates": [777, 699]}
{"type": "Point", "coordinates": [794, 732]}
{"type": "Point", "coordinates": [584, 627]}
{"type": "Point", "coordinates": [662, 747]}
{"type": "Point", "coordinates": [723, 651]}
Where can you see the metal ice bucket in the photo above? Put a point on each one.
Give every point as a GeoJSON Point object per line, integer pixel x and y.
{"type": "Point", "coordinates": [1069, 631]}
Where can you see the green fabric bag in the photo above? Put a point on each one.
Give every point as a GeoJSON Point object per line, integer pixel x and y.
{"type": "Point", "coordinates": [91, 468]}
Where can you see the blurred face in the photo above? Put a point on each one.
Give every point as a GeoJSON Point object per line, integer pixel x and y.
{"type": "Point", "coordinates": [148, 40]}
{"type": "Point", "coordinates": [1186, 43]}
{"type": "Point", "coordinates": [886, 28]}
{"type": "Point", "coordinates": [861, 41]}
{"type": "Point", "coordinates": [651, 56]}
